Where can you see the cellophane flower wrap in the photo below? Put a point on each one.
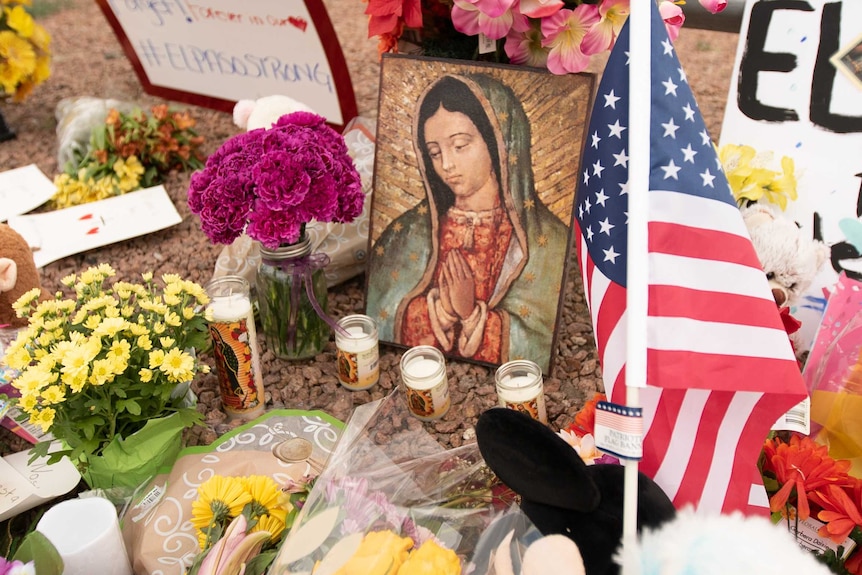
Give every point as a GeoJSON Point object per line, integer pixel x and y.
{"type": "Point", "coordinates": [393, 500]}
{"type": "Point", "coordinates": [102, 365]}
{"type": "Point", "coordinates": [814, 482]}
{"type": "Point", "coordinates": [271, 181]}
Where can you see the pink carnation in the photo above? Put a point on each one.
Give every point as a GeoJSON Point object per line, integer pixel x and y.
{"type": "Point", "coordinates": [269, 182]}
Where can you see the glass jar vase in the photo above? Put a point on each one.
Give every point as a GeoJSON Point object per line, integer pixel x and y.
{"type": "Point", "coordinates": [291, 293]}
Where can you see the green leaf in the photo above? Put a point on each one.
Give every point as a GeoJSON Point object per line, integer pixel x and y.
{"type": "Point", "coordinates": [259, 564]}
{"type": "Point", "coordinates": [132, 406]}
{"type": "Point", "coordinates": [36, 547]}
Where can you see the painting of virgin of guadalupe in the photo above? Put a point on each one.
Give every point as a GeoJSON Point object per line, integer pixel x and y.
{"type": "Point", "coordinates": [475, 174]}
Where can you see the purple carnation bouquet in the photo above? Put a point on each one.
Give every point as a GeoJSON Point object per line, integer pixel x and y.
{"type": "Point", "coordinates": [271, 182]}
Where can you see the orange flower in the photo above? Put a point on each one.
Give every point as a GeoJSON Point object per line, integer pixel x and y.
{"type": "Point", "coordinates": [113, 118]}
{"type": "Point", "coordinates": [585, 420]}
{"type": "Point", "coordinates": [160, 112]}
{"type": "Point", "coordinates": [804, 465]}
{"type": "Point", "coordinates": [839, 511]}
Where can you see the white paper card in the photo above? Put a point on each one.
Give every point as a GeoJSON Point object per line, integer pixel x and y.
{"type": "Point", "coordinates": [23, 189]}
{"type": "Point", "coordinates": [24, 486]}
{"type": "Point", "coordinates": [61, 233]}
{"type": "Point", "coordinates": [618, 430]}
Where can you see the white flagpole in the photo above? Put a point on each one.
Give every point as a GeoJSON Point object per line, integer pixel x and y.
{"type": "Point", "coordinates": [638, 264]}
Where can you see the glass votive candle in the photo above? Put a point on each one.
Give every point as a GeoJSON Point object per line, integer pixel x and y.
{"type": "Point", "coordinates": [423, 371]}
{"type": "Point", "coordinates": [520, 387]}
{"type": "Point", "coordinates": [235, 350]}
{"type": "Point", "coordinates": [357, 352]}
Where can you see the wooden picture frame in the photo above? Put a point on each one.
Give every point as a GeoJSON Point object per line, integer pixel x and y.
{"type": "Point", "coordinates": [849, 61]}
{"type": "Point", "coordinates": [513, 245]}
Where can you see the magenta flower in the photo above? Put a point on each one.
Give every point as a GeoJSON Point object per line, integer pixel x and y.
{"type": "Point", "coordinates": [564, 31]}
{"type": "Point", "coordinates": [714, 6]}
{"type": "Point", "coordinates": [470, 18]}
{"type": "Point", "coordinates": [526, 47]}
{"type": "Point", "coordinates": [270, 182]}
{"type": "Point", "coordinates": [603, 34]}
{"type": "Point", "coordinates": [673, 17]}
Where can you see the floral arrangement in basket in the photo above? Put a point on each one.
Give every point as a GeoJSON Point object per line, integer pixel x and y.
{"type": "Point", "coordinates": [561, 35]}
{"type": "Point", "coordinates": [129, 152]}
{"type": "Point", "coordinates": [108, 363]}
{"type": "Point", "coordinates": [242, 520]}
{"type": "Point", "coordinates": [25, 51]}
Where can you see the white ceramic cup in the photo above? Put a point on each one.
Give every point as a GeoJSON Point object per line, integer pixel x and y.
{"type": "Point", "coordinates": [86, 533]}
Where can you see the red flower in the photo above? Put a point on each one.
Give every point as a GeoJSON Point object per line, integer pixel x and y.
{"type": "Point", "coordinates": [854, 563]}
{"type": "Point", "coordinates": [804, 465]}
{"type": "Point", "coordinates": [585, 420]}
{"type": "Point", "coordinates": [387, 14]}
{"type": "Point", "coordinates": [840, 510]}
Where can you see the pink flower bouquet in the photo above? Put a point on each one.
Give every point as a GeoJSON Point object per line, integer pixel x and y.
{"type": "Point", "coordinates": [271, 182]}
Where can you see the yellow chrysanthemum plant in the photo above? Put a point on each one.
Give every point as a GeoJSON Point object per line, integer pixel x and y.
{"type": "Point", "coordinates": [109, 367]}
{"type": "Point", "coordinates": [25, 51]}
{"type": "Point", "coordinates": [751, 180]}
{"type": "Point", "coordinates": [240, 520]}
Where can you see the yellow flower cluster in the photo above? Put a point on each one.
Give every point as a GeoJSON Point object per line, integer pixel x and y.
{"type": "Point", "coordinates": [385, 553]}
{"type": "Point", "coordinates": [25, 52]}
{"type": "Point", "coordinates": [750, 180]}
{"type": "Point", "coordinates": [221, 499]}
{"type": "Point", "coordinates": [105, 362]}
{"type": "Point", "coordinates": [83, 188]}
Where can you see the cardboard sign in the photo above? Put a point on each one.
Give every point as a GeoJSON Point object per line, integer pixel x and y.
{"type": "Point", "coordinates": [23, 189]}
{"type": "Point", "coordinates": [25, 485]}
{"type": "Point", "coordinates": [214, 52]}
{"type": "Point", "coordinates": [789, 99]}
{"type": "Point", "coordinates": [61, 233]}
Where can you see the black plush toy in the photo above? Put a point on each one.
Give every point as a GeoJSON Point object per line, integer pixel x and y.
{"type": "Point", "coordinates": [560, 493]}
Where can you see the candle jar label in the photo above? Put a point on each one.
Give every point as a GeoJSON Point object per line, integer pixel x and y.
{"type": "Point", "coordinates": [535, 407]}
{"type": "Point", "coordinates": [430, 403]}
{"type": "Point", "coordinates": [360, 370]}
{"type": "Point", "coordinates": [233, 359]}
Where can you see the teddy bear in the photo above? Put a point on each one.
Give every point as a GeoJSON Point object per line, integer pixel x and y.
{"type": "Point", "coordinates": [789, 258]}
{"type": "Point", "coordinates": [265, 111]}
{"type": "Point", "coordinates": [18, 274]}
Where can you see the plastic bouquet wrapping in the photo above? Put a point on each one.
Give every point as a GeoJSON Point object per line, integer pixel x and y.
{"type": "Point", "coordinates": [392, 500]}
{"type": "Point", "coordinates": [833, 374]}
{"type": "Point", "coordinates": [814, 482]}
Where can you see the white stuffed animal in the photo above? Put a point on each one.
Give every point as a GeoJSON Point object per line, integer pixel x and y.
{"type": "Point", "coordinates": [265, 111]}
{"type": "Point", "coordinates": [698, 544]}
{"type": "Point", "coordinates": [789, 257]}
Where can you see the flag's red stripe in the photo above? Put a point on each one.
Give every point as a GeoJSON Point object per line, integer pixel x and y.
{"type": "Point", "coordinates": [690, 369]}
{"type": "Point", "coordinates": [765, 413]}
{"type": "Point", "coordinates": [675, 301]}
{"type": "Point", "coordinates": [703, 454]}
{"type": "Point", "coordinates": [681, 240]}
{"type": "Point", "coordinates": [662, 428]}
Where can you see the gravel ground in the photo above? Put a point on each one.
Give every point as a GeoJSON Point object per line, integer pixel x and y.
{"type": "Point", "coordinates": [88, 61]}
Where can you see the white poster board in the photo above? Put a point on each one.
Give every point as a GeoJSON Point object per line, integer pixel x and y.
{"type": "Point", "coordinates": [60, 233]}
{"type": "Point", "coordinates": [215, 52]}
{"type": "Point", "coordinates": [788, 98]}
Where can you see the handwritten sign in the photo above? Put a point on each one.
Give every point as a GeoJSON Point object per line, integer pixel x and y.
{"type": "Point", "coordinates": [214, 52]}
{"type": "Point", "coordinates": [60, 233]}
{"type": "Point", "coordinates": [788, 98]}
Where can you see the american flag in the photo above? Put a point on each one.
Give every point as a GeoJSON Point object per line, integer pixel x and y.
{"type": "Point", "coordinates": [720, 368]}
